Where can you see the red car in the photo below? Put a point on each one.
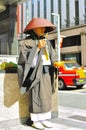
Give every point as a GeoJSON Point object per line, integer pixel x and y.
{"type": "Point", "coordinates": [71, 74]}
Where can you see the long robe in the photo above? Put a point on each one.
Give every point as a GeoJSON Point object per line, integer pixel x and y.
{"type": "Point", "coordinates": [40, 90]}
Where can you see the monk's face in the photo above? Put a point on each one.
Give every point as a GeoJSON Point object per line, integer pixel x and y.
{"type": "Point", "coordinates": [39, 31]}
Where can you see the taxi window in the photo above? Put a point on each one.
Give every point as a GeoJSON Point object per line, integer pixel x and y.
{"type": "Point", "coordinates": [71, 65]}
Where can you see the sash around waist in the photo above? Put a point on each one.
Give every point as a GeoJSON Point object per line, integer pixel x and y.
{"type": "Point", "coordinates": [46, 68]}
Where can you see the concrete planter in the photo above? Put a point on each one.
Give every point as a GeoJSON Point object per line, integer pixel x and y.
{"type": "Point", "coordinates": [13, 105]}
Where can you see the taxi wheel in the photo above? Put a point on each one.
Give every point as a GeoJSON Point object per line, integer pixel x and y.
{"type": "Point", "coordinates": [79, 86]}
{"type": "Point", "coordinates": [61, 84]}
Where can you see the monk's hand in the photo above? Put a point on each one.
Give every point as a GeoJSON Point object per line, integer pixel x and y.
{"type": "Point", "coordinates": [41, 43]}
{"type": "Point", "coordinates": [55, 64]}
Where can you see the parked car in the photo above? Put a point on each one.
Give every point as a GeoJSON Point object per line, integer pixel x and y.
{"type": "Point", "coordinates": [71, 74]}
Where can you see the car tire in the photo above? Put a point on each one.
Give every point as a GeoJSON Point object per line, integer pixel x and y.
{"type": "Point", "coordinates": [61, 84]}
{"type": "Point", "coordinates": [79, 86]}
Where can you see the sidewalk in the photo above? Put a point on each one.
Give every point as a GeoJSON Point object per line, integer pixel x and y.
{"type": "Point", "coordinates": [68, 119]}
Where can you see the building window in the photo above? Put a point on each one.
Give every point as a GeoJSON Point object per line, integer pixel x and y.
{"type": "Point", "coordinates": [85, 12]}
{"type": "Point", "coordinates": [67, 14]}
{"type": "Point", "coordinates": [59, 10]}
{"type": "Point", "coordinates": [32, 10]}
{"type": "Point", "coordinates": [52, 18]}
{"type": "Point", "coordinates": [72, 56]}
{"type": "Point", "coordinates": [85, 6]}
{"type": "Point", "coordinates": [38, 8]}
{"type": "Point", "coordinates": [45, 9]}
{"type": "Point", "coordinates": [72, 41]}
{"type": "Point", "coordinates": [76, 12]}
{"type": "Point", "coordinates": [27, 13]}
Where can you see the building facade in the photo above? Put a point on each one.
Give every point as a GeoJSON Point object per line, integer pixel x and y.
{"type": "Point", "coordinates": [72, 24]}
{"type": "Point", "coordinates": [8, 34]}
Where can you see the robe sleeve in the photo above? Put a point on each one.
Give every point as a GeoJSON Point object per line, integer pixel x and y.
{"type": "Point", "coordinates": [25, 52]}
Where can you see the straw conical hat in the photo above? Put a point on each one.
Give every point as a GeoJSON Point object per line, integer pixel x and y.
{"type": "Point", "coordinates": [39, 22]}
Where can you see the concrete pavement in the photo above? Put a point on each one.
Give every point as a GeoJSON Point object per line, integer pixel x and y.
{"type": "Point", "coordinates": [68, 119]}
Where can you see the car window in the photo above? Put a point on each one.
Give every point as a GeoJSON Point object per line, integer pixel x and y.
{"type": "Point", "coordinates": [71, 65]}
